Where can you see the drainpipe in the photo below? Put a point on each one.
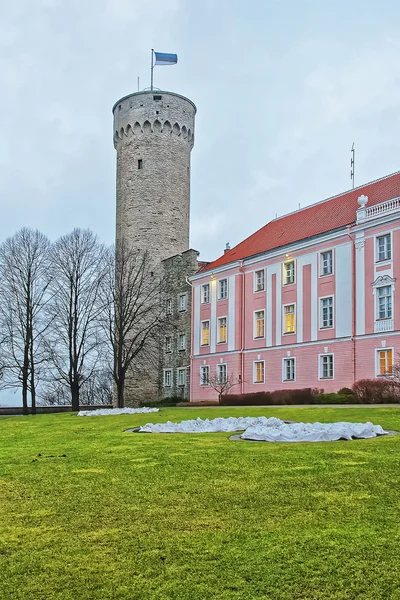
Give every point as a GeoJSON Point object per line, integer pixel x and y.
{"type": "Point", "coordinates": [242, 319]}
{"type": "Point", "coordinates": [354, 299]}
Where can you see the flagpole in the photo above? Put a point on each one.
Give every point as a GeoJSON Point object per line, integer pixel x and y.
{"type": "Point", "coordinates": [152, 68]}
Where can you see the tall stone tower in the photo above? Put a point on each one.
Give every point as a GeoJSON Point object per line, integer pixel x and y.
{"type": "Point", "coordinates": [153, 136]}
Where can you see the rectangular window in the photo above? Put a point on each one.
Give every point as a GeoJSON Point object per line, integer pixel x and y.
{"type": "Point", "coordinates": [222, 330]}
{"type": "Point", "coordinates": [140, 164]}
{"type": "Point", "coordinates": [259, 324]}
{"type": "Point", "coordinates": [385, 358]}
{"type": "Point", "coordinates": [384, 247]}
{"type": "Point", "coordinates": [222, 289]}
{"type": "Point", "coordinates": [326, 263]}
{"type": "Point", "coordinates": [326, 366]}
{"type": "Point", "coordinates": [258, 371]}
{"type": "Point", "coordinates": [167, 378]}
{"type": "Point", "coordinates": [326, 312]}
{"type": "Point", "coordinates": [182, 341]}
{"type": "Point", "coordinates": [204, 375]}
{"type": "Point", "coordinates": [259, 281]}
{"type": "Point", "coordinates": [168, 306]}
{"type": "Point", "coordinates": [205, 293]}
{"type": "Point", "coordinates": [289, 369]}
{"type": "Point", "coordinates": [384, 298]}
{"type": "Point", "coordinates": [181, 377]}
{"type": "Point", "coordinates": [221, 373]}
{"type": "Point", "coordinates": [290, 318]}
{"type": "Point", "coordinates": [168, 344]}
{"type": "Point", "coordinates": [289, 272]}
{"type": "Point", "coordinates": [205, 333]}
{"type": "Point", "coordinates": [182, 302]}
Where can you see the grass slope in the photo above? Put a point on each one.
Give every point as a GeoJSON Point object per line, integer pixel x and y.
{"type": "Point", "coordinates": [91, 513]}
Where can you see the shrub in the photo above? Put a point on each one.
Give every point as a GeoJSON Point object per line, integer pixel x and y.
{"type": "Point", "coordinates": [346, 392]}
{"type": "Point", "coordinates": [333, 398]}
{"type": "Point", "coordinates": [278, 397]}
{"type": "Point", "coordinates": [376, 391]}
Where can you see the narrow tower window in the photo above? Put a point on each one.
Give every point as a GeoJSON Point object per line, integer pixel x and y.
{"type": "Point", "coordinates": [140, 164]}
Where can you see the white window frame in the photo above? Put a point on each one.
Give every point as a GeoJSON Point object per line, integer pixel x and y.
{"type": "Point", "coordinates": [205, 297]}
{"type": "Point", "coordinates": [218, 368]}
{"type": "Point", "coordinates": [201, 333]}
{"type": "Point", "coordinates": [377, 363]}
{"type": "Point", "coordinates": [257, 283]}
{"type": "Point", "coordinates": [321, 263]}
{"type": "Point", "coordinates": [219, 341]}
{"type": "Point", "coordinates": [255, 336]}
{"type": "Point", "coordinates": [168, 344]}
{"type": "Point", "coordinates": [207, 369]}
{"type": "Point", "coordinates": [321, 326]}
{"type": "Point", "coordinates": [377, 311]}
{"type": "Point", "coordinates": [178, 374]}
{"type": "Point", "coordinates": [182, 302]}
{"type": "Point", "coordinates": [284, 318]}
{"type": "Point", "coordinates": [255, 363]}
{"type": "Point", "coordinates": [221, 295]}
{"type": "Point", "coordinates": [180, 347]}
{"type": "Point", "coordinates": [284, 360]}
{"type": "Point", "coordinates": [321, 369]}
{"type": "Point", "coordinates": [284, 278]}
{"type": "Point", "coordinates": [165, 378]}
{"type": "Point", "coordinates": [377, 238]}
{"type": "Point", "coordinates": [168, 306]}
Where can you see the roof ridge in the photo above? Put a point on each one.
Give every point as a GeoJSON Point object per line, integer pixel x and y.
{"type": "Point", "coordinates": [332, 197]}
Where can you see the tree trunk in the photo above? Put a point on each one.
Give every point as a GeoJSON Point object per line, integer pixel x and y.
{"type": "Point", "coordinates": [121, 391]}
{"type": "Point", "coordinates": [75, 396]}
{"type": "Point", "coordinates": [33, 384]}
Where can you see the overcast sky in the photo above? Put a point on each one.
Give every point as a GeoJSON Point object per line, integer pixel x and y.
{"type": "Point", "coordinates": [282, 91]}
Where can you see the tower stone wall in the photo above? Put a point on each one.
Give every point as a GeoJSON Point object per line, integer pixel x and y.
{"type": "Point", "coordinates": [153, 137]}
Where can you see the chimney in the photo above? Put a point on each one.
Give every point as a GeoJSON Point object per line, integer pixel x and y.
{"type": "Point", "coordinates": [227, 247]}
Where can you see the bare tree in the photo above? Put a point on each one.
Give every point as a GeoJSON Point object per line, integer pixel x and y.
{"type": "Point", "coordinates": [24, 287]}
{"type": "Point", "coordinates": [222, 384]}
{"type": "Point", "coordinates": [75, 342]}
{"type": "Point", "coordinates": [133, 316]}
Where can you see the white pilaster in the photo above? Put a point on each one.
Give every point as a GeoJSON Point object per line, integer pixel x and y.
{"type": "Point", "coordinates": [231, 312]}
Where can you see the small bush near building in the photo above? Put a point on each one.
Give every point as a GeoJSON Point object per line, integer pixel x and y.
{"type": "Point", "coordinates": [278, 397]}
{"type": "Point", "coordinates": [376, 391]}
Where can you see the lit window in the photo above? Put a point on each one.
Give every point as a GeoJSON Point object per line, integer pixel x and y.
{"type": "Point", "coordinates": [289, 369]}
{"type": "Point", "coordinates": [167, 378]}
{"type": "Point", "coordinates": [168, 306]}
{"type": "Point", "coordinates": [181, 377]}
{"type": "Point", "coordinates": [168, 344]}
{"type": "Point", "coordinates": [182, 341]}
{"type": "Point", "coordinates": [384, 302]}
{"type": "Point", "coordinates": [259, 281]}
{"type": "Point", "coordinates": [182, 302]}
{"type": "Point", "coordinates": [204, 375]}
{"type": "Point", "coordinates": [259, 371]}
{"type": "Point", "coordinates": [385, 358]}
{"type": "Point", "coordinates": [326, 312]}
{"type": "Point", "coordinates": [384, 247]}
{"type": "Point", "coordinates": [221, 373]}
{"type": "Point", "coordinates": [222, 330]}
{"type": "Point", "coordinates": [205, 293]}
{"type": "Point", "coordinates": [290, 319]}
{"type": "Point", "coordinates": [326, 366]}
{"type": "Point", "coordinates": [288, 272]}
{"type": "Point", "coordinates": [259, 324]}
{"type": "Point", "coordinates": [223, 289]}
{"type": "Point", "coordinates": [205, 333]}
{"type": "Point", "coordinates": [326, 263]}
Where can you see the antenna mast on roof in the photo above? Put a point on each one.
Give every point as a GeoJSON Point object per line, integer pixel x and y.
{"type": "Point", "coordinates": [352, 162]}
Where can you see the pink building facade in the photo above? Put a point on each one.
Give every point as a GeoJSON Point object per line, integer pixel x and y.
{"type": "Point", "coordinates": [310, 300]}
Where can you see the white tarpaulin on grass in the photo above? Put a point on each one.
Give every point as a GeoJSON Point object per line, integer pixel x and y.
{"type": "Point", "coordinates": [103, 412]}
{"type": "Point", "coordinates": [270, 429]}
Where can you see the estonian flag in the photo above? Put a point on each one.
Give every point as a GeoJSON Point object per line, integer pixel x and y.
{"type": "Point", "coordinates": [165, 59]}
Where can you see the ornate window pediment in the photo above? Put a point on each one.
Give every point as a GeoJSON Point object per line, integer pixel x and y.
{"type": "Point", "coordinates": [383, 280]}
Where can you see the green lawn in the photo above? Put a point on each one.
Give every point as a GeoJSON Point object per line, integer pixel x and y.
{"type": "Point", "coordinates": [89, 512]}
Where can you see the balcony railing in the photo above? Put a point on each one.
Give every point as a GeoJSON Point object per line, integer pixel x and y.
{"type": "Point", "coordinates": [372, 212]}
{"type": "Point", "coordinates": [384, 325]}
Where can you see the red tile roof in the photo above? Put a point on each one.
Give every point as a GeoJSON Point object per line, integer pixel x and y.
{"type": "Point", "coordinates": [316, 219]}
